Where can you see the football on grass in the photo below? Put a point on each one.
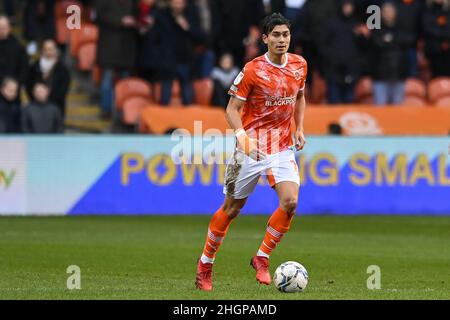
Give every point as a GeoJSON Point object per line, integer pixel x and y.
{"type": "Point", "coordinates": [290, 276]}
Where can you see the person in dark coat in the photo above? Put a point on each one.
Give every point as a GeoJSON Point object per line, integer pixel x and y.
{"type": "Point", "coordinates": [40, 22]}
{"type": "Point", "coordinates": [236, 17]}
{"type": "Point", "coordinates": [117, 44]}
{"type": "Point", "coordinates": [181, 27]}
{"type": "Point", "coordinates": [204, 50]}
{"type": "Point", "coordinates": [151, 39]}
{"type": "Point", "coordinates": [41, 116]}
{"type": "Point", "coordinates": [307, 31]}
{"type": "Point", "coordinates": [409, 19]}
{"type": "Point", "coordinates": [389, 63]}
{"type": "Point", "coordinates": [436, 31]}
{"type": "Point", "coordinates": [51, 70]}
{"type": "Point", "coordinates": [9, 107]}
{"type": "Point", "coordinates": [341, 55]}
{"type": "Point", "coordinates": [13, 59]}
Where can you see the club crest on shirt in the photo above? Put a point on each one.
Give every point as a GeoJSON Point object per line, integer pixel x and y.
{"type": "Point", "coordinates": [297, 74]}
{"type": "Point", "coordinates": [239, 78]}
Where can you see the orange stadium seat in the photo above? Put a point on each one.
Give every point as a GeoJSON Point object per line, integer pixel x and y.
{"type": "Point", "coordinates": [415, 88]}
{"type": "Point", "coordinates": [203, 91]}
{"type": "Point", "coordinates": [363, 90]}
{"type": "Point", "coordinates": [438, 88]}
{"type": "Point", "coordinates": [132, 108]}
{"type": "Point", "coordinates": [131, 87]}
{"type": "Point", "coordinates": [443, 102]}
{"type": "Point", "coordinates": [88, 33]}
{"type": "Point", "coordinates": [158, 120]}
{"type": "Point", "coordinates": [413, 101]}
{"type": "Point", "coordinates": [86, 56]}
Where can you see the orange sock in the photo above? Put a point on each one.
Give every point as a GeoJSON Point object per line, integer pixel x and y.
{"type": "Point", "coordinates": [217, 230]}
{"type": "Point", "coordinates": [279, 223]}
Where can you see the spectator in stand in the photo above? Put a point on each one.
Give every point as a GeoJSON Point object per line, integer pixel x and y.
{"type": "Point", "coordinates": [117, 45]}
{"type": "Point", "coordinates": [13, 59]}
{"type": "Point", "coordinates": [307, 31]}
{"type": "Point", "coordinates": [50, 69]}
{"type": "Point", "coordinates": [180, 22]}
{"type": "Point", "coordinates": [409, 20]}
{"type": "Point", "coordinates": [204, 55]}
{"type": "Point", "coordinates": [340, 53]}
{"type": "Point", "coordinates": [436, 30]}
{"type": "Point", "coordinates": [389, 61]}
{"type": "Point", "coordinates": [150, 39]}
{"type": "Point", "coordinates": [223, 76]}
{"type": "Point", "coordinates": [9, 107]}
{"type": "Point", "coordinates": [39, 23]}
{"type": "Point", "coordinates": [236, 18]}
{"type": "Point", "coordinates": [41, 116]}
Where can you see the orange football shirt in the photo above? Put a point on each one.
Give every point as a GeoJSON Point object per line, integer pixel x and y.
{"type": "Point", "coordinates": [270, 94]}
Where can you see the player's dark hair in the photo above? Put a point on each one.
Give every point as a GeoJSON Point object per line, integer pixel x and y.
{"type": "Point", "coordinates": [273, 20]}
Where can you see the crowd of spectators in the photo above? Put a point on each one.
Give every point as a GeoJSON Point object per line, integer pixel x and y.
{"type": "Point", "coordinates": [164, 40]}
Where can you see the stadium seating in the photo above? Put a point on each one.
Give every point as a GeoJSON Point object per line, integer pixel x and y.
{"type": "Point", "coordinates": [364, 90]}
{"type": "Point", "coordinates": [88, 33]}
{"type": "Point", "coordinates": [443, 102]}
{"type": "Point", "coordinates": [158, 120]}
{"type": "Point", "coordinates": [86, 56]}
{"type": "Point", "coordinates": [438, 88]}
{"type": "Point", "coordinates": [132, 109]}
{"type": "Point", "coordinates": [131, 87]}
{"type": "Point", "coordinates": [203, 91]}
{"type": "Point", "coordinates": [415, 88]}
{"type": "Point", "coordinates": [414, 101]}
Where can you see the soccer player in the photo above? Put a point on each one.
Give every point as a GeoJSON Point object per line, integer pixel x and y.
{"type": "Point", "coordinates": [269, 92]}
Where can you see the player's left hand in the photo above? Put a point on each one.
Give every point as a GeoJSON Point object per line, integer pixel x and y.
{"type": "Point", "coordinates": [300, 140]}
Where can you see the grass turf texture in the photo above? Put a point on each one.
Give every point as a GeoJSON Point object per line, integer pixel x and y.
{"type": "Point", "coordinates": [155, 257]}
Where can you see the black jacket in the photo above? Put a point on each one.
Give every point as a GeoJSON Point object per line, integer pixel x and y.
{"type": "Point", "coordinates": [9, 116]}
{"type": "Point", "coordinates": [389, 59]}
{"type": "Point", "coordinates": [58, 83]}
{"type": "Point", "coordinates": [409, 19]}
{"type": "Point", "coordinates": [340, 51]}
{"type": "Point", "coordinates": [117, 45]}
{"type": "Point", "coordinates": [13, 59]}
{"type": "Point", "coordinates": [436, 28]}
{"type": "Point", "coordinates": [41, 118]}
{"type": "Point", "coordinates": [177, 44]}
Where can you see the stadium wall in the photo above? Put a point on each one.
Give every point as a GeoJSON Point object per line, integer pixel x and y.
{"type": "Point", "coordinates": [123, 175]}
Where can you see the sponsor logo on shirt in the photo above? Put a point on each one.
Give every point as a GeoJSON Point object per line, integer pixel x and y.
{"type": "Point", "coordinates": [272, 101]}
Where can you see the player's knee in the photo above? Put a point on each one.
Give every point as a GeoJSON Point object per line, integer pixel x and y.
{"type": "Point", "coordinates": [289, 205]}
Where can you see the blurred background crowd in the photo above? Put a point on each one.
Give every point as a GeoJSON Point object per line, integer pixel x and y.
{"type": "Point", "coordinates": [188, 52]}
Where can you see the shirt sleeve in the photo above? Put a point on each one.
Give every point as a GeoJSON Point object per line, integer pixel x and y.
{"type": "Point", "coordinates": [243, 84]}
{"type": "Point", "coordinates": [303, 76]}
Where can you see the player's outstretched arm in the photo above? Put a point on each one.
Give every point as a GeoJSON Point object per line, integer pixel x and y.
{"type": "Point", "coordinates": [299, 117]}
{"type": "Point", "coordinates": [245, 143]}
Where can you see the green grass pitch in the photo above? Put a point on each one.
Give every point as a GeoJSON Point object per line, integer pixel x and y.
{"type": "Point", "coordinates": [155, 257]}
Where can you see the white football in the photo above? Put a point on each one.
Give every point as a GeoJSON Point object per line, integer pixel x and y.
{"type": "Point", "coordinates": [290, 276]}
